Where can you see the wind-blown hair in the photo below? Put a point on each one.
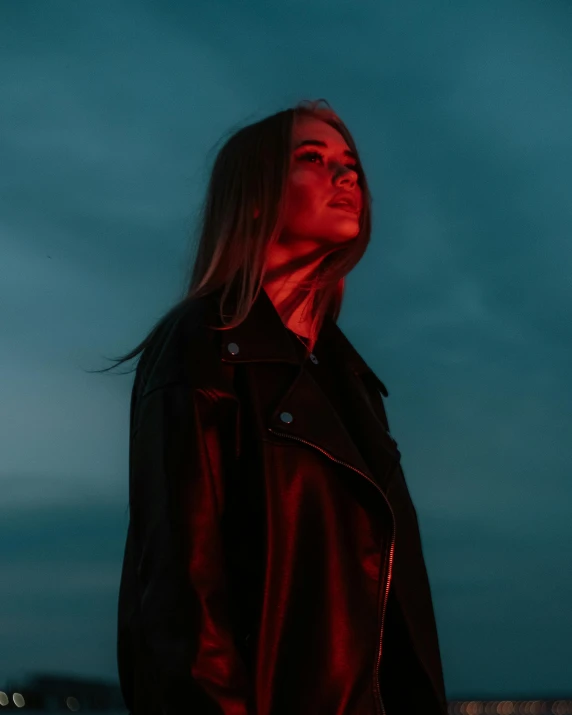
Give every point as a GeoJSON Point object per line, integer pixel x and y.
{"type": "Point", "coordinates": [250, 172]}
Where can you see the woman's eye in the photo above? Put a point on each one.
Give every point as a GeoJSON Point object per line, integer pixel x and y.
{"type": "Point", "coordinates": [312, 154]}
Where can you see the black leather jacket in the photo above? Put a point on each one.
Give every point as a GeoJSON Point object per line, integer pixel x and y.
{"type": "Point", "coordinates": [271, 566]}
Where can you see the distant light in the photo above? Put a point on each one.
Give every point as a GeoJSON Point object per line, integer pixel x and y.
{"type": "Point", "coordinates": [18, 699]}
{"type": "Point", "coordinates": [4, 699]}
{"type": "Point", "coordinates": [72, 703]}
{"type": "Point", "coordinates": [509, 707]}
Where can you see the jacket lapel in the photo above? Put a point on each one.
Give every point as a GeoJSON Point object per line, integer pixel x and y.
{"type": "Point", "coordinates": [298, 408]}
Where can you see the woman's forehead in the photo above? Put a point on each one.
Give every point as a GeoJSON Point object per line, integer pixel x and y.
{"type": "Point", "coordinates": [306, 128]}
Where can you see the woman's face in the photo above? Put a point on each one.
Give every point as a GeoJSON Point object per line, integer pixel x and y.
{"type": "Point", "coordinates": [317, 175]}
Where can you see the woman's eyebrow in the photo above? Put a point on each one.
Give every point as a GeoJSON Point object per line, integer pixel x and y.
{"type": "Point", "coordinates": [317, 142]}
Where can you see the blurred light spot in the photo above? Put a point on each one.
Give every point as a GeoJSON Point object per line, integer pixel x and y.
{"type": "Point", "coordinates": [72, 703]}
{"type": "Point", "coordinates": [18, 699]}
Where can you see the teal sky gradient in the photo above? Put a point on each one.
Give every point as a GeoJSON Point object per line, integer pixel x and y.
{"type": "Point", "coordinates": [462, 113]}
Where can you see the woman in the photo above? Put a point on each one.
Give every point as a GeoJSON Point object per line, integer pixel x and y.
{"type": "Point", "coordinates": [273, 562]}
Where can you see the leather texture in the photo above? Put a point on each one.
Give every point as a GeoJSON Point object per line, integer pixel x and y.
{"type": "Point", "coordinates": [273, 562]}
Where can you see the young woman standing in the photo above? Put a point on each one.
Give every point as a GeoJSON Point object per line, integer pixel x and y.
{"type": "Point", "coordinates": [273, 562]}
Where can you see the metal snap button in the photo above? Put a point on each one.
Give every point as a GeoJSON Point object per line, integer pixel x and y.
{"type": "Point", "coordinates": [233, 348]}
{"type": "Point", "coordinates": [286, 417]}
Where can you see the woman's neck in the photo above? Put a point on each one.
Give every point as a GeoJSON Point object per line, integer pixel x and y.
{"type": "Point", "coordinates": [299, 322]}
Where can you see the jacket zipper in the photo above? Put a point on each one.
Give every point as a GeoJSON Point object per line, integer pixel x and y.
{"type": "Point", "coordinates": [391, 550]}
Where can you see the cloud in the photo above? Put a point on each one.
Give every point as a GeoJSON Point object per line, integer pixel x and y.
{"type": "Point", "coordinates": [462, 307]}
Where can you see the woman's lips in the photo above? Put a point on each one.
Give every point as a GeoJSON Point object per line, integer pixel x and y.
{"type": "Point", "coordinates": [345, 207]}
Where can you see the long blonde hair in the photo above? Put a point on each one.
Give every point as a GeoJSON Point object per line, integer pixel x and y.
{"type": "Point", "coordinates": [250, 172]}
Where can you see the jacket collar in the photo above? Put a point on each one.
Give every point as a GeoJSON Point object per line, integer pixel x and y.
{"type": "Point", "coordinates": [263, 337]}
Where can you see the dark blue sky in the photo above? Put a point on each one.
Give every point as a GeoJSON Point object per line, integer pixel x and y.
{"type": "Point", "coordinates": [462, 113]}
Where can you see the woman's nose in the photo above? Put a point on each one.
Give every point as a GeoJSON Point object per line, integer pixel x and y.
{"type": "Point", "coordinates": [346, 176]}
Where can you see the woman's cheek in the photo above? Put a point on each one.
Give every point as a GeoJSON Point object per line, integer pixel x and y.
{"type": "Point", "coordinates": [300, 201]}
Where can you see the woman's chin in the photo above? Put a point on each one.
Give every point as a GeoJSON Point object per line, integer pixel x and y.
{"type": "Point", "coordinates": [345, 228]}
{"type": "Point", "coordinates": [351, 232]}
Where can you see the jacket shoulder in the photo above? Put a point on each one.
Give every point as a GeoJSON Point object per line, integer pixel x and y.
{"type": "Point", "coordinates": [184, 350]}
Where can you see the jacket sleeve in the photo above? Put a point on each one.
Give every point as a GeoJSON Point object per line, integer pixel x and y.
{"type": "Point", "coordinates": [182, 452]}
